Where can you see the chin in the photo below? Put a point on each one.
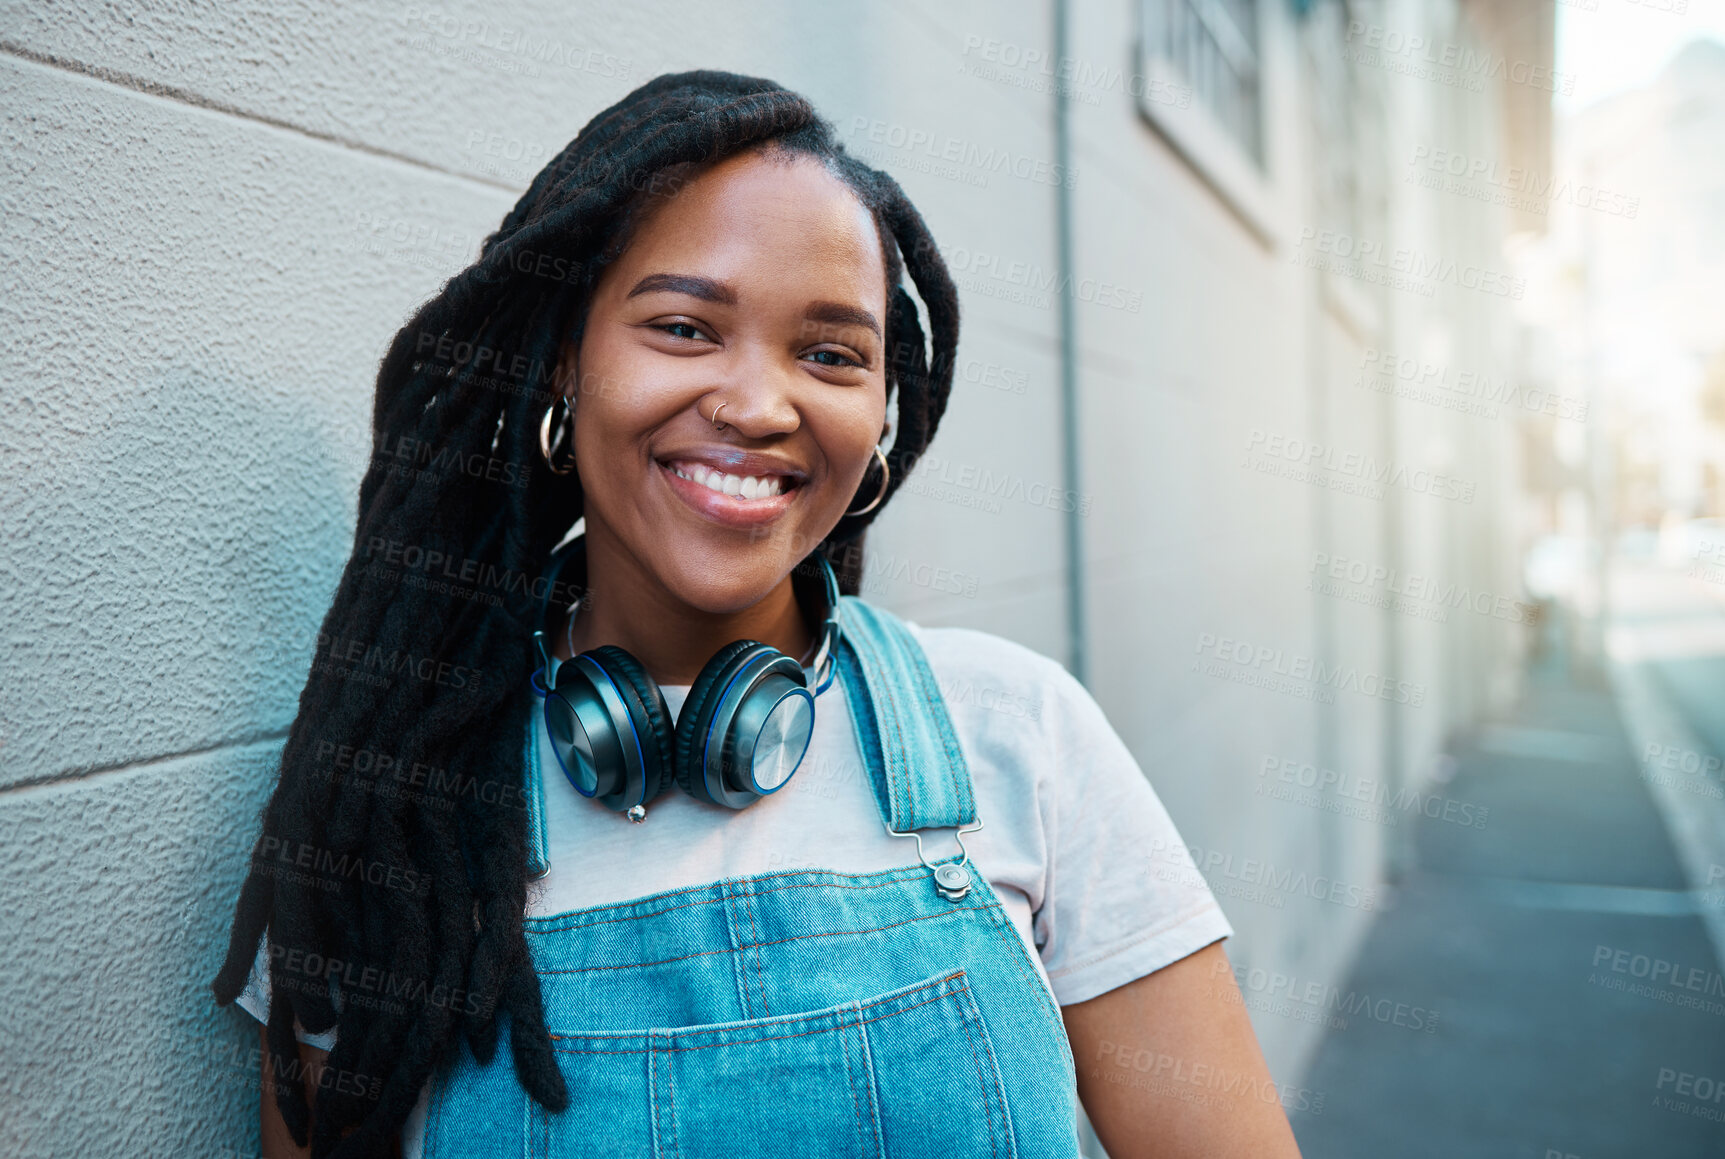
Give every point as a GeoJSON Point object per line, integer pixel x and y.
{"type": "Point", "coordinates": [726, 579]}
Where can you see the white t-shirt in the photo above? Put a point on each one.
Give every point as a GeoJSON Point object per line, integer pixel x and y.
{"type": "Point", "coordinates": [1069, 821]}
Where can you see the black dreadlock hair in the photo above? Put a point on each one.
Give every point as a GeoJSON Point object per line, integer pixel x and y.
{"type": "Point", "coordinates": [407, 935]}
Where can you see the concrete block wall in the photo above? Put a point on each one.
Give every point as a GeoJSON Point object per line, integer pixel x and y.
{"type": "Point", "coordinates": [217, 215]}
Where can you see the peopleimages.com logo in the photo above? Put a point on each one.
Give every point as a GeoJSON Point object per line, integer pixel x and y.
{"type": "Point", "coordinates": [1297, 666]}
{"type": "Point", "coordinates": [1360, 471]}
{"type": "Point", "coordinates": [1447, 62]}
{"type": "Point", "coordinates": [1400, 267]}
{"type": "Point", "coordinates": [1262, 880]}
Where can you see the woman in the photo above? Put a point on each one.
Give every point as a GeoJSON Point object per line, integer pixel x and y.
{"type": "Point", "coordinates": [686, 335]}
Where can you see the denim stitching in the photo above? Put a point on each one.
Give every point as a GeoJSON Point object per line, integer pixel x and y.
{"type": "Point", "coordinates": [940, 721]}
{"type": "Point", "coordinates": [739, 962]}
{"type": "Point", "coordinates": [671, 1102]}
{"type": "Point", "coordinates": [809, 1016]}
{"type": "Point", "coordinates": [877, 676]}
{"type": "Point", "coordinates": [981, 1079]}
{"type": "Point", "coordinates": [889, 755]}
{"type": "Point", "coordinates": [760, 980]}
{"type": "Point", "coordinates": [851, 1082]}
{"type": "Point", "coordinates": [905, 872]}
{"type": "Point", "coordinates": [957, 909]}
{"type": "Point", "coordinates": [935, 713]}
{"type": "Point", "coordinates": [868, 656]}
{"type": "Point", "coordinates": [855, 668]}
{"type": "Point", "coordinates": [1020, 955]}
{"type": "Point", "coordinates": [544, 1123]}
{"type": "Point", "coordinates": [750, 1041]}
{"type": "Point", "coordinates": [895, 717]}
{"type": "Point", "coordinates": [900, 713]}
{"type": "Point", "coordinates": [868, 736]}
{"type": "Point", "coordinates": [907, 655]}
{"type": "Point", "coordinates": [1007, 933]}
{"type": "Point", "coordinates": [653, 1096]}
{"type": "Point", "coordinates": [872, 1090]}
{"type": "Point", "coordinates": [653, 1092]}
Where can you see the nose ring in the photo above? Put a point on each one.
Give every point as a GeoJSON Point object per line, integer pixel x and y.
{"type": "Point", "coordinates": [717, 425]}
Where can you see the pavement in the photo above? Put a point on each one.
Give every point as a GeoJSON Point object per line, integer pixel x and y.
{"type": "Point", "coordinates": [1567, 955]}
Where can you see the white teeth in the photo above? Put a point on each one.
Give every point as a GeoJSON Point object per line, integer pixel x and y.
{"type": "Point", "coordinates": [737, 486]}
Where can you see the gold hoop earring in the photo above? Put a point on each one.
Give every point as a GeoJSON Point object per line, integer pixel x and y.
{"type": "Point", "coordinates": [885, 474]}
{"type": "Point", "coordinates": [567, 434]}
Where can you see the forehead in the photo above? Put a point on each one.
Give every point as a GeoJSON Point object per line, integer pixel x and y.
{"type": "Point", "coordinates": [764, 223]}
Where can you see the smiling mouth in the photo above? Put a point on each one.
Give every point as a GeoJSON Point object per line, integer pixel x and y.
{"type": "Point", "coordinates": [745, 487]}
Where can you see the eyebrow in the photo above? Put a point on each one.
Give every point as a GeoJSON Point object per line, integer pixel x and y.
{"type": "Point", "coordinates": [693, 285]}
{"type": "Point", "coordinates": [838, 314]}
{"type": "Point", "coordinates": [711, 290]}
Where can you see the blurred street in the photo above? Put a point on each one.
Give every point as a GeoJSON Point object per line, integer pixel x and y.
{"type": "Point", "coordinates": [1564, 948]}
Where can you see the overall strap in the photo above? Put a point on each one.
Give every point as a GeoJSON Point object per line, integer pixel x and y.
{"type": "Point", "coordinates": [918, 771]}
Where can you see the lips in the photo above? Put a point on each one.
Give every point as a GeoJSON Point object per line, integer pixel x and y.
{"type": "Point", "coordinates": [750, 494]}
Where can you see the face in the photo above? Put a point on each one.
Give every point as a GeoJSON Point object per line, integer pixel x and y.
{"type": "Point", "coordinates": [758, 289]}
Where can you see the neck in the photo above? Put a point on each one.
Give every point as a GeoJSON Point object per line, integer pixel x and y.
{"type": "Point", "coordinates": [630, 607]}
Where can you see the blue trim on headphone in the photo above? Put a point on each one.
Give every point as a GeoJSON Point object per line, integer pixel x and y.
{"type": "Point", "coordinates": [707, 733]}
{"type": "Point", "coordinates": [634, 734]}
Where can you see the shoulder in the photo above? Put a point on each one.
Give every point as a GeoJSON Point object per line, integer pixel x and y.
{"type": "Point", "coordinates": [1003, 690]}
{"type": "Point", "coordinates": [974, 652]}
{"type": "Point", "coordinates": [1001, 677]}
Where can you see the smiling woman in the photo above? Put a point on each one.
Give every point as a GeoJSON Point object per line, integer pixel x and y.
{"type": "Point", "coordinates": [751, 301]}
{"type": "Point", "coordinates": [758, 966]}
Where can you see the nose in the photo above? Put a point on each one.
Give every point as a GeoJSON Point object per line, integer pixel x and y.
{"type": "Point", "coordinates": [757, 395]}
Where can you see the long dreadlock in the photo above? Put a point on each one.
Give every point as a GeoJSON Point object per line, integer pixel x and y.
{"type": "Point", "coordinates": [406, 935]}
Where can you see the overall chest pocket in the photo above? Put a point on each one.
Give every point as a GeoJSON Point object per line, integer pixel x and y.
{"type": "Point", "coordinates": [908, 1074]}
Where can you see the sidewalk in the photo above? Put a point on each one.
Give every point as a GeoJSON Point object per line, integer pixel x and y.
{"type": "Point", "coordinates": [1580, 1008]}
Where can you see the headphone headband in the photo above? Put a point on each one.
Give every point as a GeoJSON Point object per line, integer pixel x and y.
{"type": "Point", "coordinates": [576, 550]}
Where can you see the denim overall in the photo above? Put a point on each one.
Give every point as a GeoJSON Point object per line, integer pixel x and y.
{"type": "Point", "coordinates": [798, 1013]}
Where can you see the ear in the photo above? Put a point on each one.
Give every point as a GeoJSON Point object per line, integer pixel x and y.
{"type": "Point", "coordinates": [567, 382]}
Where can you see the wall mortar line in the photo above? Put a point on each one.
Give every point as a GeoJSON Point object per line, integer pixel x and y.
{"type": "Point", "coordinates": [51, 780]}
{"type": "Point", "coordinates": [133, 83]}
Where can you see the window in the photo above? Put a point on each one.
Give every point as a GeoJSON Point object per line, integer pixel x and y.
{"type": "Point", "coordinates": [1204, 90]}
{"type": "Point", "coordinates": [1213, 44]}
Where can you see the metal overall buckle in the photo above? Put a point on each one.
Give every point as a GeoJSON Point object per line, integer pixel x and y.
{"type": "Point", "coordinates": [951, 879]}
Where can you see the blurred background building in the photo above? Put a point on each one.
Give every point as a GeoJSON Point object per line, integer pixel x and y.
{"type": "Point", "coordinates": [1306, 376]}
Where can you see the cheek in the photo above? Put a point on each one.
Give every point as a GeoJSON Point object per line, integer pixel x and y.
{"type": "Point", "coordinates": [608, 426]}
{"type": "Point", "coordinates": [847, 436]}
{"type": "Point", "coordinates": [617, 404]}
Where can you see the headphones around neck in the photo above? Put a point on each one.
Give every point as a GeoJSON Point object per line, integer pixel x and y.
{"type": "Point", "coordinates": [741, 733]}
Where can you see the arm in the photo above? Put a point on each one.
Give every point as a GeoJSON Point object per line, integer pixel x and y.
{"type": "Point", "coordinates": [1169, 1068]}
{"type": "Point", "coordinates": [273, 1134]}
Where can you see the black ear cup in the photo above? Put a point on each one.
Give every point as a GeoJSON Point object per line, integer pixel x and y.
{"type": "Point", "coordinates": [696, 717]}
{"type": "Point", "coordinates": [746, 732]}
{"type": "Point", "coordinates": [603, 730]}
{"type": "Point", "coordinates": [647, 710]}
